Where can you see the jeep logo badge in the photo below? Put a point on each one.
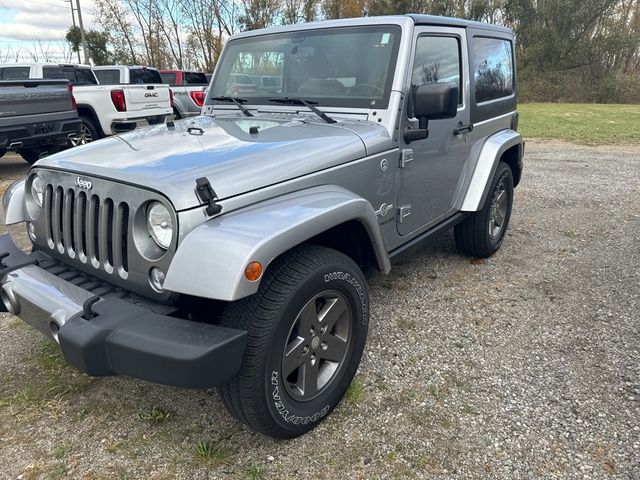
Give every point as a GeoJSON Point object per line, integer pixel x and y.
{"type": "Point", "coordinates": [150, 94]}
{"type": "Point", "coordinates": [82, 183]}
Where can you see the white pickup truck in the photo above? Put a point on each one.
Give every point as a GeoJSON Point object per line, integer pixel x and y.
{"type": "Point", "coordinates": [103, 109]}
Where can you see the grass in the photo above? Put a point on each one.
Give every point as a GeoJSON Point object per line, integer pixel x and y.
{"type": "Point", "coordinates": [155, 415]}
{"type": "Point", "coordinates": [212, 453]}
{"type": "Point", "coordinates": [254, 472]}
{"type": "Point", "coordinates": [45, 390]}
{"type": "Point", "coordinates": [590, 124]}
{"type": "Point", "coordinates": [355, 391]}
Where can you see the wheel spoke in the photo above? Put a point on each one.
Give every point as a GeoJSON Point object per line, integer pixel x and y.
{"type": "Point", "coordinates": [332, 310]}
{"type": "Point", "coordinates": [501, 196]}
{"type": "Point", "coordinates": [310, 378]}
{"type": "Point", "coordinates": [307, 317]}
{"type": "Point", "coordinates": [294, 356]}
{"type": "Point", "coordinates": [335, 348]}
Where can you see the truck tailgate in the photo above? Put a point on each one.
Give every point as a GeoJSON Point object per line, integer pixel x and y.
{"type": "Point", "coordinates": [147, 98]}
{"type": "Point", "coordinates": [33, 97]}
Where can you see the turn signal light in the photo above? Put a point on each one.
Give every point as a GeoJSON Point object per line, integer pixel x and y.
{"type": "Point", "coordinates": [253, 271]}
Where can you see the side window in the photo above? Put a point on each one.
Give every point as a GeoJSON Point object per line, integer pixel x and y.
{"type": "Point", "coordinates": [437, 61]}
{"type": "Point", "coordinates": [15, 73]}
{"type": "Point", "coordinates": [492, 68]}
{"type": "Point", "coordinates": [84, 76]}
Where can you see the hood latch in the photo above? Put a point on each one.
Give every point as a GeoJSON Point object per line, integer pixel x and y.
{"type": "Point", "coordinates": [207, 195]}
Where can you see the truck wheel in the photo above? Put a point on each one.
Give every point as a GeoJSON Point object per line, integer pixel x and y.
{"type": "Point", "coordinates": [30, 156]}
{"type": "Point", "coordinates": [307, 326]}
{"type": "Point", "coordinates": [88, 132]}
{"type": "Point", "coordinates": [2, 152]}
{"type": "Point", "coordinates": [481, 234]}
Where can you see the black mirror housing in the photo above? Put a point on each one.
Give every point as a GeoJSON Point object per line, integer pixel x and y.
{"type": "Point", "coordinates": [435, 101]}
{"type": "Point", "coordinates": [431, 102]}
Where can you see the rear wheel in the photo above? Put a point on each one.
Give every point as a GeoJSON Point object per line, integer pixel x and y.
{"type": "Point", "coordinates": [307, 328]}
{"type": "Point", "coordinates": [481, 234]}
{"type": "Point", "coordinates": [88, 132]}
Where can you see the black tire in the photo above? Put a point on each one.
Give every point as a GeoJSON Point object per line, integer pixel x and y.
{"type": "Point", "coordinates": [2, 152]}
{"type": "Point", "coordinates": [89, 133]}
{"type": "Point", "coordinates": [29, 155]}
{"type": "Point", "coordinates": [176, 114]}
{"type": "Point", "coordinates": [261, 396]}
{"type": "Point", "coordinates": [474, 235]}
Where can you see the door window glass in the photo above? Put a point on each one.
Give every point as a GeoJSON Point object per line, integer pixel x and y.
{"type": "Point", "coordinates": [437, 61]}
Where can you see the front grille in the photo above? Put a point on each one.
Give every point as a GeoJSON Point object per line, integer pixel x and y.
{"type": "Point", "coordinates": [100, 229]}
{"type": "Point", "coordinates": [87, 227]}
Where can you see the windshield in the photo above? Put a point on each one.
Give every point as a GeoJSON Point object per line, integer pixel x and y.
{"type": "Point", "coordinates": [342, 67]}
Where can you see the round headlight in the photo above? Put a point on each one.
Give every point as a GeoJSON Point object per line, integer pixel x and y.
{"type": "Point", "coordinates": [160, 224]}
{"type": "Point", "coordinates": [37, 190]}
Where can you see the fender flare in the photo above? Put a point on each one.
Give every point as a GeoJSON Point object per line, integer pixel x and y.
{"type": "Point", "coordinates": [211, 260]}
{"type": "Point", "coordinates": [485, 166]}
{"type": "Point", "coordinates": [12, 207]}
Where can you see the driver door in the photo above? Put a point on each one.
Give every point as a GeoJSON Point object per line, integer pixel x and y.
{"type": "Point", "coordinates": [432, 167]}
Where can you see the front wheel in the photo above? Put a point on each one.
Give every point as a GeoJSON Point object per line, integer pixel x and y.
{"type": "Point", "coordinates": [307, 326]}
{"type": "Point", "coordinates": [482, 233]}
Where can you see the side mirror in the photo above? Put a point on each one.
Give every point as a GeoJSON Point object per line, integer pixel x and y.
{"type": "Point", "coordinates": [432, 102]}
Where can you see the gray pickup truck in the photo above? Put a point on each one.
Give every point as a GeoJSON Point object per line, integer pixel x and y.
{"type": "Point", "coordinates": [233, 249]}
{"type": "Point", "coordinates": [36, 117]}
{"type": "Point", "coordinates": [188, 91]}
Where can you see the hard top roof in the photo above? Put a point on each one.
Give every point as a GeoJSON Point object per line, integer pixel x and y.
{"type": "Point", "coordinates": [421, 19]}
{"type": "Point", "coordinates": [417, 19]}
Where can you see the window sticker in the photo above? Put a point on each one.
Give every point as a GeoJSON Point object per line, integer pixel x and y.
{"type": "Point", "coordinates": [385, 38]}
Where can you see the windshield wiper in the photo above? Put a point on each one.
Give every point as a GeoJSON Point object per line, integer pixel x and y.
{"type": "Point", "coordinates": [237, 101]}
{"type": "Point", "coordinates": [306, 103]}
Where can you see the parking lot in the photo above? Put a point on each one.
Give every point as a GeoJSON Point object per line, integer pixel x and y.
{"type": "Point", "coordinates": [526, 365]}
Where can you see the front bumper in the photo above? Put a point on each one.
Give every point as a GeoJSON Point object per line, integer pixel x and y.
{"type": "Point", "coordinates": [108, 336]}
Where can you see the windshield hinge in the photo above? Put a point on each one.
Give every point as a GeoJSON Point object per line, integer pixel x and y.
{"type": "Point", "coordinates": [207, 195]}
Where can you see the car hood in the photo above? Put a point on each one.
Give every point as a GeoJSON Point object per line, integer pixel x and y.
{"type": "Point", "coordinates": [224, 150]}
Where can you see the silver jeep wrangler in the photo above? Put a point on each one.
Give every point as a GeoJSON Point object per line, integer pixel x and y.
{"type": "Point", "coordinates": [232, 249]}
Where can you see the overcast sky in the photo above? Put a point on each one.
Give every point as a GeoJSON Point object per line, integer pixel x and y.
{"type": "Point", "coordinates": [23, 22]}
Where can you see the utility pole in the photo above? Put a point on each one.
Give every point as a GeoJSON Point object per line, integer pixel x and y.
{"type": "Point", "coordinates": [73, 19]}
{"type": "Point", "coordinates": [82, 38]}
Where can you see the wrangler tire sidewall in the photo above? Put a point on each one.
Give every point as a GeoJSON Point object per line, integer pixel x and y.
{"type": "Point", "coordinates": [304, 415]}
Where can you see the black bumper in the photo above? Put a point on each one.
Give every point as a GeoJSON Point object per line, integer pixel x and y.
{"type": "Point", "coordinates": [134, 341]}
{"type": "Point", "coordinates": [40, 135]}
{"type": "Point", "coordinates": [110, 336]}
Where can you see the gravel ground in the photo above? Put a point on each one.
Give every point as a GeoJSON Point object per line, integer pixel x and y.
{"type": "Point", "coordinates": [522, 366]}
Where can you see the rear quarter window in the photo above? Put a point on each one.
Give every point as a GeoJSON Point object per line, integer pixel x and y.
{"type": "Point", "coordinates": [492, 68]}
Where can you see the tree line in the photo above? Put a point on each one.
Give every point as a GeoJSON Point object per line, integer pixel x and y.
{"type": "Point", "coordinates": [567, 50]}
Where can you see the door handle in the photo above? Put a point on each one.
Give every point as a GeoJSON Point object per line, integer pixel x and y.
{"type": "Point", "coordinates": [461, 128]}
